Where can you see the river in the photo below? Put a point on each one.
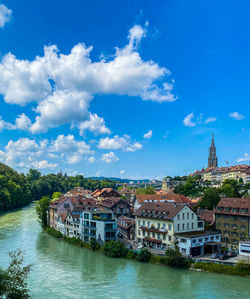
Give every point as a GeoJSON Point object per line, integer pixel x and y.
{"type": "Point", "coordinates": [61, 270]}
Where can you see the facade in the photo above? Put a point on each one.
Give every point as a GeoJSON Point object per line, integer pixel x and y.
{"type": "Point", "coordinates": [118, 205]}
{"type": "Point", "coordinates": [198, 243]}
{"type": "Point", "coordinates": [212, 158]}
{"type": "Point", "coordinates": [97, 224]}
{"type": "Point", "coordinates": [157, 223]}
{"type": "Point", "coordinates": [126, 227]}
{"type": "Point", "coordinates": [129, 194]}
{"type": "Point", "coordinates": [244, 248]}
{"type": "Point", "coordinates": [105, 193]}
{"type": "Point", "coordinates": [233, 220]}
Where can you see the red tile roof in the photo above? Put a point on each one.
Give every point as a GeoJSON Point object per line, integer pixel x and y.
{"type": "Point", "coordinates": [234, 203]}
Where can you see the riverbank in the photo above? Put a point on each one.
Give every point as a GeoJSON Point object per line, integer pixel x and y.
{"type": "Point", "coordinates": [240, 269]}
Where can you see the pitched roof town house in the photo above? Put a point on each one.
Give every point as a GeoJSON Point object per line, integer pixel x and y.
{"type": "Point", "coordinates": [105, 193]}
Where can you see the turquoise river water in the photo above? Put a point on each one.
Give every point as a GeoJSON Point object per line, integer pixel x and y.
{"type": "Point", "coordinates": [61, 270]}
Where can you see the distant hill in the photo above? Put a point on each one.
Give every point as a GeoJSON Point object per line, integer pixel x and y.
{"type": "Point", "coordinates": [120, 180]}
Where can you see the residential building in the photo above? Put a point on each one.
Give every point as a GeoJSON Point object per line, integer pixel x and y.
{"type": "Point", "coordinates": [233, 220]}
{"type": "Point", "coordinates": [244, 248]}
{"type": "Point", "coordinates": [105, 193]}
{"type": "Point", "coordinates": [129, 194]}
{"type": "Point", "coordinates": [118, 205]}
{"type": "Point", "coordinates": [126, 227]}
{"type": "Point", "coordinates": [98, 224]}
{"type": "Point", "coordinates": [159, 198]}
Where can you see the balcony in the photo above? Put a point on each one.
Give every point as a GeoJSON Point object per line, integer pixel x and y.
{"type": "Point", "coordinates": [154, 230]}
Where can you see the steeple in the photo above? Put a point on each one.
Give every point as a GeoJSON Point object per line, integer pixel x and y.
{"type": "Point", "coordinates": [212, 159]}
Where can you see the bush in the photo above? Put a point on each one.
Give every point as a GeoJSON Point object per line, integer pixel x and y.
{"type": "Point", "coordinates": [144, 255]}
{"type": "Point", "coordinates": [242, 268]}
{"type": "Point", "coordinates": [54, 233]}
{"type": "Point", "coordinates": [175, 259]}
{"type": "Point", "coordinates": [94, 245]}
{"type": "Point", "coordinates": [114, 249]}
{"type": "Point", "coordinates": [132, 255]}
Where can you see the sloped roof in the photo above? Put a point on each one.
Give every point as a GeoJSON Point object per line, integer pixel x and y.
{"type": "Point", "coordinates": [177, 198]}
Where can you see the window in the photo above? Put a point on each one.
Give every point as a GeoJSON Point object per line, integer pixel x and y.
{"type": "Point", "coordinates": [143, 223]}
{"type": "Point", "coordinates": [178, 227]}
{"type": "Point", "coordinates": [183, 216]}
{"type": "Point", "coordinates": [158, 236]}
{"type": "Point", "coordinates": [164, 225]}
{"type": "Point", "coordinates": [169, 238]}
{"type": "Point", "coordinates": [200, 224]}
{"type": "Point", "coordinates": [183, 226]}
{"type": "Point", "coordinates": [192, 215]}
{"type": "Point", "coordinates": [139, 222]}
{"type": "Point", "coordinates": [139, 232]}
{"type": "Point", "coordinates": [218, 223]}
{"type": "Point", "coordinates": [212, 238]}
{"type": "Point", "coordinates": [159, 225]}
{"type": "Point", "coordinates": [187, 215]}
{"type": "Point", "coordinates": [200, 240]}
{"type": "Point", "coordinates": [153, 235]}
{"type": "Point", "coordinates": [183, 240]}
{"type": "Point", "coordinates": [188, 226]}
{"type": "Point", "coordinates": [194, 241]}
{"type": "Point", "coordinates": [148, 223]}
{"type": "Point", "coordinates": [143, 233]}
{"type": "Point", "coordinates": [178, 217]}
{"type": "Point", "coordinates": [169, 226]}
{"type": "Point", "coordinates": [164, 237]}
{"type": "Point", "coordinates": [192, 225]}
{"type": "Point", "coordinates": [86, 216]}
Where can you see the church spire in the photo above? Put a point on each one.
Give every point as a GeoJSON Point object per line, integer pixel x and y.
{"type": "Point", "coordinates": [212, 159]}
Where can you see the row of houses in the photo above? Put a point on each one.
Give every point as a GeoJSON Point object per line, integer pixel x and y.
{"type": "Point", "coordinates": [220, 174]}
{"type": "Point", "coordinates": [158, 221]}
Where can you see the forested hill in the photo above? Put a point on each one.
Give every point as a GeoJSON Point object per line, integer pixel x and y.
{"type": "Point", "coordinates": [17, 189]}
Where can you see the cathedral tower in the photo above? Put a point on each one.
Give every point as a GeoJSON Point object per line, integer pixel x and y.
{"type": "Point", "coordinates": [212, 159]}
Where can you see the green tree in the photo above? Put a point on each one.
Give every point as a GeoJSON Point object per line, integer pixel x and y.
{"type": "Point", "coordinates": [114, 249]}
{"type": "Point", "coordinates": [41, 209]}
{"type": "Point", "coordinates": [94, 245]}
{"type": "Point", "coordinates": [147, 190]}
{"type": "Point", "coordinates": [210, 198]}
{"type": "Point", "coordinates": [175, 259]}
{"type": "Point", "coordinates": [13, 283]}
{"type": "Point", "coordinates": [230, 188]}
{"type": "Point", "coordinates": [56, 195]}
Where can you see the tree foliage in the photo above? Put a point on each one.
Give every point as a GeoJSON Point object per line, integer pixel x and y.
{"type": "Point", "coordinates": [114, 249]}
{"type": "Point", "coordinates": [13, 283]}
{"type": "Point", "coordinates": [147, 190]}
{"type": "Point", "coordinates": [175, 259]}
{"type": "Point", "coordinates": [144, 255]}
{"type": "Point", "coordinates": [210, 198]}
{"type": "Point", "coordinates": [41, 209]}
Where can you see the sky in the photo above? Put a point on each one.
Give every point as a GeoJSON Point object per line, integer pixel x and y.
{"type": "Point", "coordinates": [130, 89]}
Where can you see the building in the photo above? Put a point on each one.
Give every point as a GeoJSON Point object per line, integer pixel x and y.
{"type": "Point", "coordinates": [98, 224]}
{"type": "Point", "coordinates": [159, 198]}
{"type": "Point", "coordinates": [208, 216]}
{"type": "Point", "coordinates": [105, 193]}
{"type": "Point", "coordinates": [244, 248]}
{"type": "Point", "coordinates": [118, 205]}
{"type": "Point", "coordinates": [129, 194]}
{"type": "Point", "coordinates": [232, 218]}
{"type": "Point", "coordinates": [212, 158]}
{"type": "Point", "coordinates": [126, 227]}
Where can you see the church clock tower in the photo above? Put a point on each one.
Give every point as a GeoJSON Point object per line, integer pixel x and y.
{"type": "Point", "coordinates": [212, 159]}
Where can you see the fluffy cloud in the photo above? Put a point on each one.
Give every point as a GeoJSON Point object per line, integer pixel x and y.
{"type": "Point", "coordinates": [148, 135]}
{"type": "Point", "coordinates": [236, 115]}
{"type": "Point", "coordinates": [5, 15]}
{"type": "Point", "coordinates": [91, 160]}
{"type": "Point", "coordinates": [245, 158]}
{"type": "Point", "coordinates": [122, 172]}
{"type": "Point", "coordinates": [109, 157]}
{"type": "Point", "coordinates": [26, 153]}
{"type": "Point", "coordinates": [44, 164]}
{"type": "Point", "coordinates": [61, 108]}
{"type": "Point", "coordinates": [188, 120]}
{"type": "Point", "coordinates": [94, 124]}
{"type": "Point", "coordinates": [23, 122]}
{"type": "Point", "coordinates": [118, 142]}
{"type": "Point", "coordinates": [64, 84]}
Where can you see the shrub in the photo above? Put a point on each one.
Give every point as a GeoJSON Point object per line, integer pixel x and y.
{"type": "Point", "coordinates": [144, 255]}
{"type": "Point", "coordinates": [94, 245]}
{"type": "Point", "coordinates": [54, 233]}
{"type": "Point", "coordinates": [132, 255]}
{"type": "Point", "coordinates": [175, 259]}
{"type": "Point", "coordinates": [114, 249]}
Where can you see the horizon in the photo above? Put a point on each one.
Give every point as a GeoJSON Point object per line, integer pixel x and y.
{"type": "Point", "coordinates": [140, 99]}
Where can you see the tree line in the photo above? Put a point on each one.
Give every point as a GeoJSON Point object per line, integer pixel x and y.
{"type": "Point", "coordinates": [18, 189]}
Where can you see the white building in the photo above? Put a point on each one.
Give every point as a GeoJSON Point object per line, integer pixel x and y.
{"type": "Point", "coordinates": [244, 248]}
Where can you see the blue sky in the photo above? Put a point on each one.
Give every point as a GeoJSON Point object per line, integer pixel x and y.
{"type": "Point", "coordinates": [123, 88]}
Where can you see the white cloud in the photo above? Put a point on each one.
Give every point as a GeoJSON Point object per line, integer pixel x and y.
{"type": "Point", "coordinates": [69, 147]}
{"type": "Point", "coordinates": [245, 158]}
{"type": "Point", "coordinates": [109, 157]}
{"type": "Point", "coordinates": [44, 164]}
{"type": "Point", "coordinates": [91, 160]}
{"type": "Point", "coordinates": [122, 172]}
{"type": "Point", "coordinates": [188, 120]}
{"type": "Point", "coordinates": [5, 15]}
{"type": "Point", "coordinates": [94, 124]}
{"type": "Point", "coordinates": [61, 108]}
{"type": "Point", "coordinates": [64, 84]}
{"type": "Point", "coordinates": [210, 120]}
{"type": "Point", "coordinates": [118, 142]}
{"type": "Point", "coordinates": [236, 115]}
{"type": "Point", "coordinates": [23, 122]}
{"type": "Point", "coordinates": [148, 135]}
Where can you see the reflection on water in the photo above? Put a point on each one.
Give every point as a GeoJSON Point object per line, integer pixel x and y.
{"type": "Point", "coordinates": [62, 270]}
